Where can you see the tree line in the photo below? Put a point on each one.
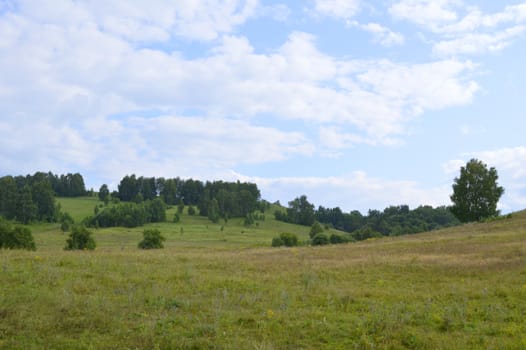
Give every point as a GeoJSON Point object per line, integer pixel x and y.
{"type": "Point", "coordinates": [32, 197]}
{"type": "Point", "coordinates": [216, 200]}
{"type": "Point", "coordinates": [392, 221]}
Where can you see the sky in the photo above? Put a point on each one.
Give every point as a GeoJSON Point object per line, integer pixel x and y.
{"type": "Point", "coordinates": [356, 104]}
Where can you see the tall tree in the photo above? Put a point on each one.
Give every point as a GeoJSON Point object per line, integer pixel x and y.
{"type": "Point", "coordinates": [104, 193]}
{"type": "Point", "coordinates": [476, 192]}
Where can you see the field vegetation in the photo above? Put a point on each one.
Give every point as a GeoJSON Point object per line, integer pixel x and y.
{"type": "Point", "coordinates": [221, 286]}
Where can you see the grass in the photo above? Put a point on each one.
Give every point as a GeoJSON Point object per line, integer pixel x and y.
{"type": "Point", "coordinates": [463, 287]}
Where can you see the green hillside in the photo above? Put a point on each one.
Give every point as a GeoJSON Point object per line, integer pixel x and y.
{"type": "Point", "coordinates": [460, 288]}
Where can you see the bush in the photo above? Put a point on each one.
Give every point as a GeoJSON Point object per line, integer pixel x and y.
{"type": "Point", "coordinates": [191, 211]}
{"type": "Point", "coordinates": [285, 239]}
{"type": "Point", "coordinates": [152, 239]}
{"type": "Point", "coordinates": [315, 229]}
{"type": "Point", "coordinates": [289, 239]}
{"type": "Point", "coordinates": [80, 239]}
{"type": "Point", "coordinates": [366, 233]}
{"type": "Point", "coordinates": [17, 237]}
{"type": "Point", "coordinates": [320, 239]}
{"type": "Point", "coordinates": [277, 242]}
{"type": "Point", "coordinates": [338, 239]}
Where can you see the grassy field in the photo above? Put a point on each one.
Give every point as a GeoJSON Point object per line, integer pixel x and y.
{"type": "Point", "coordinates": [461, 288]}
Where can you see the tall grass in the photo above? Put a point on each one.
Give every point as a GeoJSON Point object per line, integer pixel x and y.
{"type": "Point", "coordinates": [211, 289]}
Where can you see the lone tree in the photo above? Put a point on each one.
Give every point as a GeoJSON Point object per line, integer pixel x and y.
{"type": "Point", "coordinates": [476, 192]}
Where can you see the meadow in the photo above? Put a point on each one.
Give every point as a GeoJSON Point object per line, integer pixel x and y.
{"type": "Point", "coordinates": [220, 286]}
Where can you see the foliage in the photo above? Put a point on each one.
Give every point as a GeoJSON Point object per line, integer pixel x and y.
{"type": "Point", "coordinates": [129, 214]}
{"type": "Point", "coordinates": [213, 211]}
{"type": "Point", "coordinates": [191, 211]}
{"type": "Point", "coordinates": [152, 239]}
{"type": "Point", "coordinates": [69, 185]}
{"type": "Point", "coordinates": [27, 199]}
{"type": "Point", "coordinates": [365, 233]}
{"type": "Point", "coordinates": [320, 239]}
{"type": "Point", "coordinates": [339, 239]}
{"type": "Point", "coordinates": [225, 199]}
{"type": "Point", "coordinates": [104, 194]}
{"type": "Point", "coordinates": [277, 242]}
{"type": "Point", "coordinates": [15, 237]}
{"type": "Point", "coordinates": [300, 211]}
{"type": "Point", "coordinates": [80, 238]}
{"type": "Point", "coordinates": [315, 229]}
{"type": "Point", "coordinates": [66, 221]}
{"type": "Point", "coordinates": [476, 192]}
{"type": "Point", "coordinates": [285, 239]}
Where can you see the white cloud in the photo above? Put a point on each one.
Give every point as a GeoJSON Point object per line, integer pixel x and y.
{"type": "Point", "coordinates": [156, 20]}
{"type": "Point", "coordinates": [476, 43]}
{"type": "Point", "coordinates": [461, 29]}
{"type": "Point", "coordinates": [511, 160]}
{"type": "Point", "coordinates": [429, 13]}
{"type": "Point", "coordinates": [344, 9]}
{"type": "Point", "coordinates": [89, 79]}
{"type": "Point", "coordinates": [358, 190]}
{"type": "Point", "coordinates": [383, 35]}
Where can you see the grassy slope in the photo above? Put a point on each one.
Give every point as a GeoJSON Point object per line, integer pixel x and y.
{"type": "Point", "coordinates": [458, 288]}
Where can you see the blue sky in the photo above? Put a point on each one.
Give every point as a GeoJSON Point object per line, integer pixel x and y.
{"type": "Point", "coordinates": [356, 104]}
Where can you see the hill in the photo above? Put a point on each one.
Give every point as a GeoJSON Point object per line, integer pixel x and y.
{"type": "Point", "coordinates": [464, 287]}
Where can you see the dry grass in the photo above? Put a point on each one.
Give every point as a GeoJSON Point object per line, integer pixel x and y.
{"type": "Point", "coordinates": [457, 288]}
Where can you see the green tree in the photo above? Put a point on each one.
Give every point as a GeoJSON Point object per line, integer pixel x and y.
{"type": "Point", "coordinates": [476, 192]}
{"type": "Point", "coordinates": [104, 193]}
{"type": "Point", "coordinates": [213, 211]}
{"type": "Point", "coordinates": [80, 239]}
{"type": "Point", "coordinates": [315, 229]}
{"type": "Point", "coordinates": [17, 237]}
{"type": "Point", "coordinates": [152, 239]}
{"type": "Point", "coordinates": [320, 239]}
{"type": "Point", "coordinates": [301, 212]}
{"type": "Point", "coordinates": [26, 208]}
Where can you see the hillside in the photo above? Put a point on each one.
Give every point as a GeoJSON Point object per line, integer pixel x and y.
{"type": "Point", "coordinates": [464, 287]}
{"type": "Point", "coordinates": [190, 231]}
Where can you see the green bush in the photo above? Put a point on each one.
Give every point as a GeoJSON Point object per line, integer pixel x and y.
{"type": "Point", "coordinates": [177, 218]}
{"type": "Point", "coordinates": [285, 239]}
{"type": "Point", "coordinates": [289, 239]}
{"type": "Point", "coordinates": [80, 239]}
{"type": "Point", "coordinates": [320, 239]}
{"type": "Point", "coordinates": [365, 233]}
{"type": "Point", "coordinates": [191, 211]}
{"type": "Point", "coordinates": [17, 237]}
{"type": "Point", "coordinates": [338, 239]}
{"type": "Point", "coordinates": [315, 229]}
{"type": "Point", "coordinates": [277, 242]}
{"type": "Point", "coordinates": [152, 239]}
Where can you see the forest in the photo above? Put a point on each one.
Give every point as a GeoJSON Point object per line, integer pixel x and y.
{"type": "Point", "coordinates": [141, 200]}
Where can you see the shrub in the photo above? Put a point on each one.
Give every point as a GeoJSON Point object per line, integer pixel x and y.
{"type": "Point", "coordinates": [285, 239]}
{"type": "Point", "coordinates": [338, 239]}
{"type": "Point", "coordinates": [191, 211]}
{"type": "Point", "coordinates": [80, 239]}
{"type": "Point", "coordinates": [320, 239]}
{"type": "Point", "coordinates": [177, 218]}
{"type": "Point", "coordinates": [152, 239]}
{"type": "Point", "coordinates": [365, 233]}
{"type": "Point", "coordinates": [17, 237]}
{"type": "Point", "coordinates": [289, 239]}
{"type": "Point", "coordinates": [66, 221]}
{"type": "Point", "coordinates": [315, 229]}
{"type": "Point", "coordinates": [277, 242]}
